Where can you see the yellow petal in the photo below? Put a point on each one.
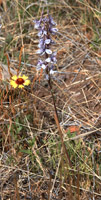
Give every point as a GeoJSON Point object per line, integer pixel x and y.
{"type": "Point", "coordinates": [19, 76]}
{"type": "Point", "coordinates": [14, 77]}
{"type": "Point", "coordinates": [15, 86]}
{"type": "Point", "coordinates": [20, 86]}
{"type": "Point", "coordinates": [25, 77]}
{"type": "Point", "coordinates": [13, 83]}
{"type": "Point", "coordinates": [27, 82]}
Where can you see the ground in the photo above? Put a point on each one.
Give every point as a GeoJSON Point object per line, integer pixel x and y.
{"type": "Point", "coordinates": [33, 163]}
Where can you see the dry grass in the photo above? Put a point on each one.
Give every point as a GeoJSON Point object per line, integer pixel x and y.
{"type": "Point", "coordinates": [33, 163]}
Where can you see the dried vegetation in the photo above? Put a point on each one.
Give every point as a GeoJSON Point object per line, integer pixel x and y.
{"type": "Point", "coordinates": [33, 163]}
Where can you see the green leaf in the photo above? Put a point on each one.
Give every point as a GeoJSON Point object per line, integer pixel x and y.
{"type": "Point", "coordinates": [27, 151]}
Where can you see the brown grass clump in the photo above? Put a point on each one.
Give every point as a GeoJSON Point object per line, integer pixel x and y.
{"type": "Point", "coordinates": [33, 163]}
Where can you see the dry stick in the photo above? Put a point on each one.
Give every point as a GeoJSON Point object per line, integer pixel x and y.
{"type": "Point", "coordinates": [70, 188]}
{"type": "Point", "coordinates": [8, 134]}
{"type": "Point", "coordinates": [5, 9]}
{"type": "Point", "coordinates": [50, 195]}
{"type": "Point", "coordinates": [78, 185]}
{"type": "Point", "coordinates": [20, 59]}
{"type": "Point", "coordinates": [20, 55]}
{"type": "Point", "coordinates": [8, 62]}
{"type": "Point", "coordinates": [17, 195]}
{"type": "Point", "coordinates": [20, 22]}
{"type": "Point", "coordinates": [57, 123]}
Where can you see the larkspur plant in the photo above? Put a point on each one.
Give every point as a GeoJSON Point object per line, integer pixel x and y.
{"type": "Point", "coordinates": [46, 28]}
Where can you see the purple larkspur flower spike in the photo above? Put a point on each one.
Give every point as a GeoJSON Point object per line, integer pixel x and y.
{"type": "Point", "coordinates": [46, 28]}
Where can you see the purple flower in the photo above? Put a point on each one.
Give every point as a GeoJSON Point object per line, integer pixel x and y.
{"type": "Point", "coordinates": [46, 28]}
{"type": "Point", "coordinates": [48, 51]}
{"type": "Point", "coordinates": [47, 41]}
{"type": "Point", "coordinates": [52, 58]}
{"type": "Point", "coordinates": [51, 71]}
{"type": "Point", "coordinates": [48, 60]}
{"type": "Point", "coordinates": [53, 30]}
{"type": "Point", "coordinates": [41, 43]}
{"type": "Point", "coordinates": [37, 24]}
{"type": "Point", "coordinates": [42, 33]}
{"type": "Point", "coordinates": [51, 21]}
{"type": "Point", "coordinates": [39, 51]}
{"type": "Point", "coordinates": [41, 65]}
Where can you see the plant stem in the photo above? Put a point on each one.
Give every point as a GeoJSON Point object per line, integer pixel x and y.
{"type": "Point", "coordinates": [57, 122]}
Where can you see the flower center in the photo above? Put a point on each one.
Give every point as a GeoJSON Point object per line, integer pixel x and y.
{"type": "Point", "coordinates": [19, 81]}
